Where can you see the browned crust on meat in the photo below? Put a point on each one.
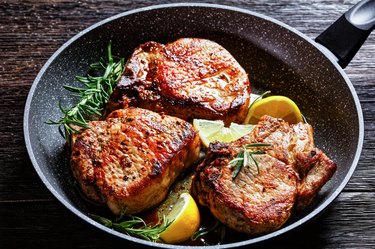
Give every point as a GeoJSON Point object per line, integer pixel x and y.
{"type": "Point", "coordinates": [294, 145]}
{"type": "Point", "coordinates": [292, 160]}
{"type": "Point", "coordinates": [251, 203]}
{"type": "Point", "coordinates": [189, 78]}
{"type": "Point", "coordinates": [130, 160]}
{"type": "Point", "coordinates": [320, 173]}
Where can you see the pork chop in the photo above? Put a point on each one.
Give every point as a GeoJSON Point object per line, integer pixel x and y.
{"type": "Point", "coordinates": [189, 78]}
{"type": "Point", "coordinates": [130, 160]}
{"type": "Point", "coordinates": [291, 172]}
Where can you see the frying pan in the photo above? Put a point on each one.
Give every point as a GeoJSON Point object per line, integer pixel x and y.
{"type": "Point", "coordinates": [276, 57]}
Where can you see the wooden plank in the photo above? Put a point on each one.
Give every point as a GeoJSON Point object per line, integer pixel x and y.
{"type": "Point", "coordinates": [47, 223]}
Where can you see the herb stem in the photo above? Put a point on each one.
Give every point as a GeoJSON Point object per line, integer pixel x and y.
{"type": "Point", "coordinates": [93, 96]}
{"type": "Point", "coordinates": [246, 158]}
{"type": "Point", "coordinates": [133, 225]}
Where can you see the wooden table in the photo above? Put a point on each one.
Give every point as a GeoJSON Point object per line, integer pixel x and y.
{"type": "Point", "coordinates": [30, 217]}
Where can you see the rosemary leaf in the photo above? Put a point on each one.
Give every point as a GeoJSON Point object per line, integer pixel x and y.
{"type": "Point", "coordinates": [74, 89]}
{"type": "Point", "coordinates": [255, 162]}
{"type": "Point", "coordinates": [258, 152]}
{"type": "Point", "coordinates": [257, 145]}
{"type": "Point", "coordinates": [237, 170]}
{"type": "Point", "coordinates": [245, 156]}
{"type": "Point", "coordinates": [104, 221]}
{"type": "Point", "coordinates": [235, 161]}
{"type": "Point", "coordinates": [128, 223]}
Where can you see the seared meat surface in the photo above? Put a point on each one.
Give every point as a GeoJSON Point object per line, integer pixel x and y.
{"type": "Point", "coordinates": [290, 174]}
{"type": "Point", "coordinates": [250, 203]}
{"type": "Point", "coordinates": [130, 160]}
{"type": "Point", "coordinates": [189, 78]}
{"type": "Point", "coordinates": [294, 145]}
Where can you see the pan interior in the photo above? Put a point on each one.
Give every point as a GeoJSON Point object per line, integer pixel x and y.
{"type": "Point", "coordinates": [275, 58]}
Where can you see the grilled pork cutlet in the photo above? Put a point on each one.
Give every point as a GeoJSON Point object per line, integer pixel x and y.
{"type": "Point", "coordinates": [189, 78]}
{"type": "Point", "coordinates": [290, 174]}
{"type": "Point", "coordinates": [130, 160]}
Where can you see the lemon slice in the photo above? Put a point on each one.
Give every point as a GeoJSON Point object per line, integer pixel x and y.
{"type": "Point", "coordinates": [214, 130]}
{"type": "Point", "coordinates": [186, 220]}
{"type": "Point", "coordinates": [274, 106]}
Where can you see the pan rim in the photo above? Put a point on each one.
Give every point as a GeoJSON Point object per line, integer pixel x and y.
{"type": "Point", "coordinates": [313, 214]}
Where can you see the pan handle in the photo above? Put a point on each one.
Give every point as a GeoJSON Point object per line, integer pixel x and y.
{"type": "Point", "coordinates": [345, 36]}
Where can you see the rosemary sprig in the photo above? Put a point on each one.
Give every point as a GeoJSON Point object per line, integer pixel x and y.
{"type": "Point", "coordinates": [245, 158]}
{"type": "Point", "coordinates": [93, 96]}
{"type": "Point", "coordinates": [133, 225]}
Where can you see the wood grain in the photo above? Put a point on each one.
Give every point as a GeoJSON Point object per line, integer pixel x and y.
{"type": "Point", "coordinates": [30, 32]}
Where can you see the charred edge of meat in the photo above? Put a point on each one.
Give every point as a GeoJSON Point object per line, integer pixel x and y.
{"type": "Point", "coordinates": [318, 175]}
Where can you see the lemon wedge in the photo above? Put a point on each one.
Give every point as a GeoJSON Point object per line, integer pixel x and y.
{"type": "Point", "coordinates": [186, 220]}
{"type": "Point", "coordinates": [214, 130]}
{"type": "Point", "coordinates": [274, 106]}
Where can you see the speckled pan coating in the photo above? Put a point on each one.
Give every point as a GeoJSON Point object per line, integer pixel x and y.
{"type": "Point", "coordinates": [276, 57]}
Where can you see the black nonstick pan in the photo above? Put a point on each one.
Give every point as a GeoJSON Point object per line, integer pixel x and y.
{"type": "Point", "coordinates": [276, 57]}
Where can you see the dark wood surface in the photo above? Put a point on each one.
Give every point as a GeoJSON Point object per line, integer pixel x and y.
{"type": "Point", "coordinates": [30, 217]}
